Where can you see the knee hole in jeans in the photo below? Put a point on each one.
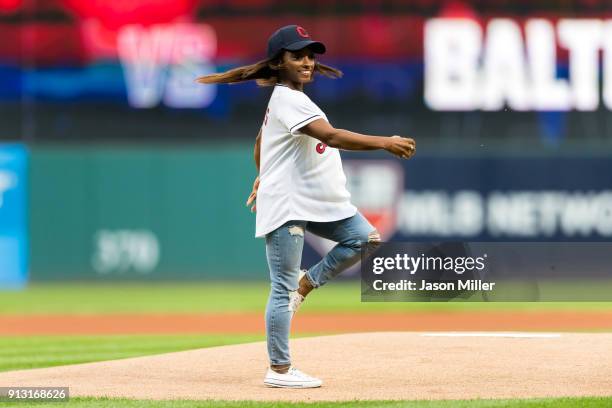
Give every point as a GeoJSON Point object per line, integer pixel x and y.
{"type": "Point", "coordinates": [374, 240]}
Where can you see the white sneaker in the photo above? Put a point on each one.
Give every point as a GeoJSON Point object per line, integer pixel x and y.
{"type": "Point", "coordinates": [294, 378]}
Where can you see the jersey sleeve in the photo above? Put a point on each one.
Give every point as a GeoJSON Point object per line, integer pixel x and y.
{"type": "Point", "coordinates": [298, 111]}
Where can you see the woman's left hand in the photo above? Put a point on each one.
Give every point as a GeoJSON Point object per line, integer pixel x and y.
{"type": "Point", "coordinates": [253, 196]}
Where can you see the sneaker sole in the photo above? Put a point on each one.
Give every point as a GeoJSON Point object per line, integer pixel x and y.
{"type": "Point", "coordinates": [282, 384]}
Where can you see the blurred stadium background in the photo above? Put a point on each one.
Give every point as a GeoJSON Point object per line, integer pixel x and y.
{"type": "Point", "coordinates": [115, 165]}
{"type": "Point", "coordinates": [123, 226]}
{"type": "Point", "coordinates": [123, 229]}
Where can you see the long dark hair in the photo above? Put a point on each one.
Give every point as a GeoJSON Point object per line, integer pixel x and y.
{"type": "Point", "coordinates": [265, 73]}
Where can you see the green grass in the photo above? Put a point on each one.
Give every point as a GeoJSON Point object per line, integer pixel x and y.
{"type": "Point", "coordinates": [525, 403]}
{"type": "Point", "coordinates": [19, 352]}
{"type": "Point", "coordinates": [190, 297]}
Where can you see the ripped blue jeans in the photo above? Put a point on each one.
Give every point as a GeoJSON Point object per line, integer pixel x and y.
{"type": "Point", "coordinates": [284, 252]}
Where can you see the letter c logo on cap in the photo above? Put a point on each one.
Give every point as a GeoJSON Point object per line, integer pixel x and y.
{"type": "Point", "coordinates": [302, 32]}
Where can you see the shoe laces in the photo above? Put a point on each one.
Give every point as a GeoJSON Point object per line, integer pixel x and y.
{"type": "Point", "coordinates": [295, 372]}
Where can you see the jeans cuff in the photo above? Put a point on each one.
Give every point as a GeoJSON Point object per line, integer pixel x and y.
{"type": "Point", "coordinates": [312, 282]}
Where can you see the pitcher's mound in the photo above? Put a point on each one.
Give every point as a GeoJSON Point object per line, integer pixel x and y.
{"type": "Point", "coordinates": [364, 366]}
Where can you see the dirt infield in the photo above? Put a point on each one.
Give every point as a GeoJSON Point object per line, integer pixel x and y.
{"type": "Point", "coordinates": [306, 323]}
{"type": "Point", "coordinates": [362, 366]}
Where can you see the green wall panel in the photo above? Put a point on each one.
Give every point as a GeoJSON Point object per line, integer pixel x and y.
{"type": "Point", "coordinates": [157, 213]}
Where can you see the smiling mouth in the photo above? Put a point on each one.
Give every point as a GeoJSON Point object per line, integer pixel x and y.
{"type": "Point", "coordinates": [305, 73]}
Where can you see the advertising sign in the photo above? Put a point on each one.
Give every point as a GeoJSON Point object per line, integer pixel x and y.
{"type": "Point", "coordinates": [13, 216]}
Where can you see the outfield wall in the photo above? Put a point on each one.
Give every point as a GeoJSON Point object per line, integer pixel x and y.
{"type": "Point", "coordinates": [159, 213]}
{"type": "Point", "coordinates": [99, 213]}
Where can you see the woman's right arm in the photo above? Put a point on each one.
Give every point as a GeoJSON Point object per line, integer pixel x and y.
{"type": "Point", "coordinates": [320, 129]}
{"type": "Point", "coordinates": [253, 196]}
{"type": "Point", "coordinates": [257, 149]}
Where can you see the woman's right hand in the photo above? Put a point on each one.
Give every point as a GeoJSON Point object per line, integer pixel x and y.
{"type": "Point", "coordinates": [402, 147]}
{"type": "Point", "coordinates": [253, 196]}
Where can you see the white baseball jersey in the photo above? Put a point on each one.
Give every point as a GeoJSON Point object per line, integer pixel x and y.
{"type": "Point", "coordinates": [300, 177]}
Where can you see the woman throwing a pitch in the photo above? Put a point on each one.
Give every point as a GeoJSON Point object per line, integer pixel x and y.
{"type": "Point", "coordinates": [301, 187]}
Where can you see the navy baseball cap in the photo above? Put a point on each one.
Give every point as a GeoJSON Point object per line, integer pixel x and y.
{"type": "Point", "coordinates": [292, 38]}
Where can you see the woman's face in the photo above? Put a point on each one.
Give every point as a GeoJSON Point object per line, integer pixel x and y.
{"type": "Point", "coordinates": [298, 66]}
